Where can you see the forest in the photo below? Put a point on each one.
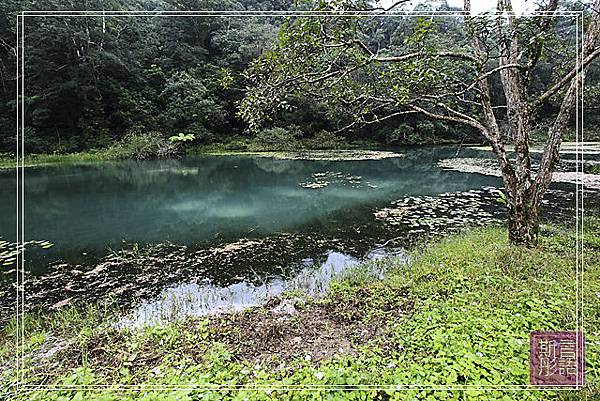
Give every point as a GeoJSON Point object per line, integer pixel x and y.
{"type": "Point", "coordinates": [91, 81]}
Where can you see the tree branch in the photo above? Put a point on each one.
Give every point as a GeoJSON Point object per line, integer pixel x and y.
{"type": "Point", "coordinates": [564, 80]}
{"type": "Point", "coordinates": [555, 133]}
{"type": "Point", "coordinates": [409, 56]}
{"type": "Point", "coordinates": [363, 123]}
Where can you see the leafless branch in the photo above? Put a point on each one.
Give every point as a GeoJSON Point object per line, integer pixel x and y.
{"type": "Point", "coordinates": [363, 123]}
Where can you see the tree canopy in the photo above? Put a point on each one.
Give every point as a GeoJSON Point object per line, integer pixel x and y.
{"type": "Point", "coordinates": [487, 72]}
{"type": "Point", "coordinates": [90, 80]}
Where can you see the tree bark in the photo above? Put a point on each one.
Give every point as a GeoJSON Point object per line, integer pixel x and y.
{"type": "Point", "coordinates": [523, 222]}
{"type": "Point", "coordinates": [523, 212]}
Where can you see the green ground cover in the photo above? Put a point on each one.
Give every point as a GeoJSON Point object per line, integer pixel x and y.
{"type": "Point", "coordinates": [9, 160]}
{"type": "Point", "coordinates": [461, 314]}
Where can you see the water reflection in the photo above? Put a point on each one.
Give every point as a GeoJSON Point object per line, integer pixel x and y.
{"type": "Point", "coordinates": [89, 208]}
{"type": "Point", "coordinates": [193, 300]}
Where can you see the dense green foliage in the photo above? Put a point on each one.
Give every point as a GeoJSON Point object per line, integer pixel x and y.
{"type": "Point", "coordinates": [91, 80]}
{"type": "Point", "coordinates": [393, 73]}
{"type": "Point", "coordinates": [473, 298]}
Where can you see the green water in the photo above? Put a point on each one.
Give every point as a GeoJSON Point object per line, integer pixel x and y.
{"type": "Point", "coordinates": [89, 209]}
{"type": "Point", "coordinates": [232, 230]}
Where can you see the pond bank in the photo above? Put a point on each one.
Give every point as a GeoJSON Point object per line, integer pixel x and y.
{"type": "Point", "coordinates": [461, 314]}
{"type": "Point", "coordinates": [38, 160]}
{"type": "Point", "coordinates": [8, 161]}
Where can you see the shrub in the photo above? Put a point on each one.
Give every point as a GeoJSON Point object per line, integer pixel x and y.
{"type": "Point", "coordinates": [278, 138]}
{"type": "Point", "coordinates": [399, 135]}
{"type": "Point", "coordinates": [143, 146]}
{"type": "Point", "coordinates": [426, 129]}
{"type": "Point", "coordinates": [182, 137]}
{"type": "Point", "coordinates": [34, 142]}
{"type": "Point", "coordinates": [325, 140]}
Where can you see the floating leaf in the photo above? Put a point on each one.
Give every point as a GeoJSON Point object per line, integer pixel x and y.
{"type": "Point", "coordinates": [11, 250]}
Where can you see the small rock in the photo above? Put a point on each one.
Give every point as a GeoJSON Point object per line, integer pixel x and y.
{"type": "Point", "coordinates": [286, 307]}
{"type": "Point", "coordinates": [60, 304]}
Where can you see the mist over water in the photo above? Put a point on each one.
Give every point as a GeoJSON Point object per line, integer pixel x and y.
{"type": "Point", "coordinates": [87, 209]}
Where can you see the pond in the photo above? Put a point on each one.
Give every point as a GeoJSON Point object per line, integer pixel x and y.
{"type": "Point", "coordinates": [91, 208]}
{"type": "Point", "coordinates": [141, 230]}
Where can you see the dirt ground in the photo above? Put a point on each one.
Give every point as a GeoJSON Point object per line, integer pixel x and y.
{"type": "Point", "coordinates": [286, 329]}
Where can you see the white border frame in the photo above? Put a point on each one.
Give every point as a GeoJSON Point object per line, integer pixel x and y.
{"type": "Point", "coordinates": [20, 174]}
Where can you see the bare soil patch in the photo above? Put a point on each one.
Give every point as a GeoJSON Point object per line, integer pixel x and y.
{"type": "Point", "coordinates": [286, 329]}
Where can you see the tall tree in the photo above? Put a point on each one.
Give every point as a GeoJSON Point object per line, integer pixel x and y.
{"type": "Point", "coordinates": [336, 59]}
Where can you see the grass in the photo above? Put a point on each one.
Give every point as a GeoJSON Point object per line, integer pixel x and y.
{"type": "Point", "coordinates": [460, 315]}
{"type": "Point", "coordinates": [134, 145]}
{"type": "Point", "coordinates": [9, 161]}
{"type": "Point", "coordinates": [232, 147]}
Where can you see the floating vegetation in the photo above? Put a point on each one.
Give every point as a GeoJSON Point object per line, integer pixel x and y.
{"type": "Point", "coordinates": [588, 148]}
{"type": "Point", "coordinates": [445, 212]}
{"type": "Point", "coordinates": [323, 179]}
{"type": "Point", "coordinates": [142, 272]}
{"type": "Point", "coordinates": [9, 251]}
{"type": "Point", "coordinates": [453, 211]}
{"type": "Point", "coordinates": [332, 155]}
{"type": "Point", "coordinates": [313, 185]}
{"type": "Point", "coordinates": [589, 166]}
{"type": "Point", "coordinates": [490, 167]}
{"type": "Point", "coordinates": [192, 299]}
{"type": "Point", "coordinates": [471, 165]}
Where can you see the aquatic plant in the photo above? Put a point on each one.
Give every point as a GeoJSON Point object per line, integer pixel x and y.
{"type": "Point", "coordinates": [9, 251]}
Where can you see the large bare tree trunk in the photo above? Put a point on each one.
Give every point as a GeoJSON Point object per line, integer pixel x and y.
{"type": "Point", "coordinates": [524, 192]}
{"type": "Point", "coordinates": [523, 213]}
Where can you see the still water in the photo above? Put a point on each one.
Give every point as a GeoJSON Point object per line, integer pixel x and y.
{"type": "Point", "coordinates": [92, 208]}
{"type": "Point", "coordinates": [230, 231]}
